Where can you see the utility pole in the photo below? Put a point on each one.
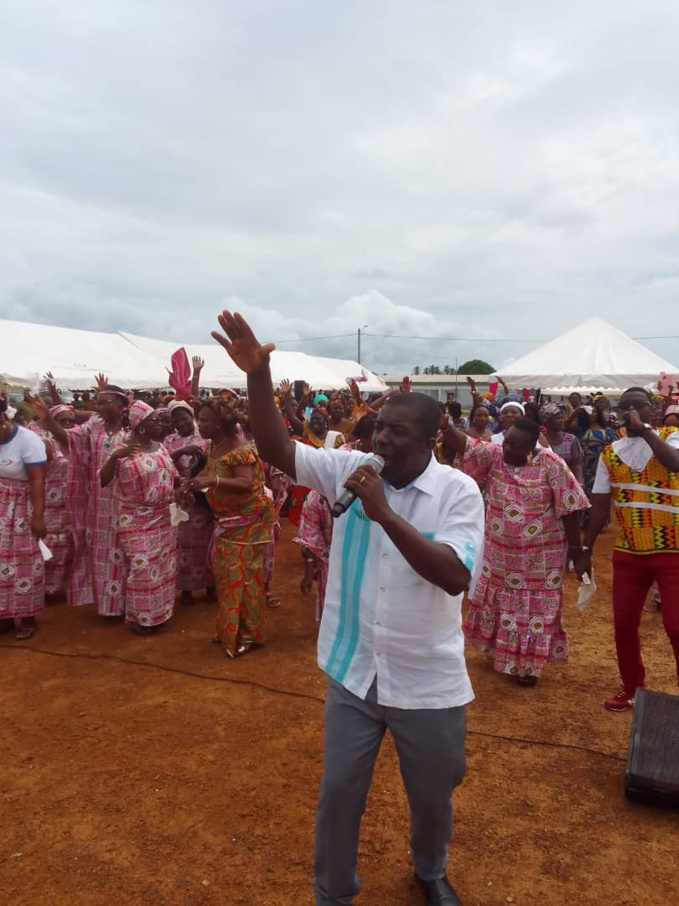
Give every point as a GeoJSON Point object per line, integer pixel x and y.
{"type": "Point", "coordinates": [358, 338]}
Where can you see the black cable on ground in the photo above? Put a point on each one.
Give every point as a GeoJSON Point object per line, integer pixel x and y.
{"type": "Point", "coordinates": [303, 695]}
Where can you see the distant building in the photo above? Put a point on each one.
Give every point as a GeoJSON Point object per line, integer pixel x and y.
{"type": "Point", "coordinates": [443, 387]}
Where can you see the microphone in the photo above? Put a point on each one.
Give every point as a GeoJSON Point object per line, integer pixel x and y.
{"type": "Point", "coordinates": [347, 497]}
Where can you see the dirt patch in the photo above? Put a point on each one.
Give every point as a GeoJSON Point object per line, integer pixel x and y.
{"type": "Point", "coordinates": [156, 771]}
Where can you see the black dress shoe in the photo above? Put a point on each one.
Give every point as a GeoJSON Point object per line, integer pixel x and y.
{"type": "Point", "coordinates": [439, 892]}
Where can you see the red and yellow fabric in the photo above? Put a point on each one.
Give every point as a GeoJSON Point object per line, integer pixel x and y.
{"type": "Point", "coordinates": [646, 504]}
{"type": "Point", "coordinates": [244, 526]}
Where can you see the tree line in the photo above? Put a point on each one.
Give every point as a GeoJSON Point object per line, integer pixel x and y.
{"type": "Point", "coordinates": [473, 366]}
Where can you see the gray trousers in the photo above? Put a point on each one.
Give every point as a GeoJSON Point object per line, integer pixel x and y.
{"type": "Point", "coordinates": [431, 751]}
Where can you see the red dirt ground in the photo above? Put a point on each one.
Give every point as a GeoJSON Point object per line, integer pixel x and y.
{"type": "Point", "coordinates": [156, 771]}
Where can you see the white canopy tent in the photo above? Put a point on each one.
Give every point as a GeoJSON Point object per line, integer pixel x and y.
{"type": "Point", "coordinates": [219, 371]}
{"type": "Point", "coordinates": [27, 351]}
{"type": "Point", "coordinates": [594, 356]}
{"type": "Point", "coordinates": [74, 357]}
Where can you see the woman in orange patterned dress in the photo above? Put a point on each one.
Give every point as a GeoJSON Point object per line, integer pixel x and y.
{"type": "Point", "coordinates": [233, 479]}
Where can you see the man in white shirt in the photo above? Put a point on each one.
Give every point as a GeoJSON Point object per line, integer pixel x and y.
{"type": "Point", "coordinates": [391, 639]}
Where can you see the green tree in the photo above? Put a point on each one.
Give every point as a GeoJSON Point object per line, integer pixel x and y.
{"type": "Point", "coordinates": [475, 366]}
{"type": "Point", "coordinates": [416, 370]}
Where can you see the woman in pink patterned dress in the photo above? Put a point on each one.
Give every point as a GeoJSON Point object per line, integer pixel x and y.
{"type": "Point", "coordinates": [279, 484]}
{"type": "Point", "coordinates": [59, 539]}
{"type": "Point", "coordinates": [141, 476]}
{"type": "Point", "coordinates": [22, 523]}
{"type": "Point", "coordinates": [314, 537]}
{"type": "Point", "coordinates": [194, 536]}
{"type": "Point", "coordinates": [533, 499]}
{"type": "Point", "coordinates": [98, 572]}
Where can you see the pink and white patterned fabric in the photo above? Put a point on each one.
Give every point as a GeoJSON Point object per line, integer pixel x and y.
{"type": "Point", "coordinates": [59, 539]}
{"type": "Point", "coordinates": [22, 571]}
{"type": "Point", "coordinates": [195, 536]}
{"type": "Point", "coordinates": [98, 574]}
{"type": "Point", "coordinates": [516, 608]}
{"type": "Point", "coordinates": [315, 534]}
{"type": "Point", "coordinates": [143, 489]}
{"type": "Point", "coordinates": [279, 484]}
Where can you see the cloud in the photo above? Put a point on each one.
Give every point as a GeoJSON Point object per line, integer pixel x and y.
{"type": "Point", "coordinates": [490, 171]}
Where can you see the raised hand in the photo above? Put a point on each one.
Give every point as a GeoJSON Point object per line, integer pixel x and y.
{"type": "Point", "coordinates": [285, 387]}
{"type": "Point", "coordinates": [355, 392]}
{"type": "Point", "coordinates": [406, 385]}
{"type": "Point", "coordinates": [48, 378]}
{"type": "Point", "coordinates": [241, 343]}
{"type": "Point", "coordinates": [126, 451]}
{"type": "Point", "coordinates": [101, 381]}
{"type": "Point", "coordinates": [38, 406]}
{"type": "Point", "coordinates": [470, 380]}
{"type": "Point", "coordinates": [197, 362]}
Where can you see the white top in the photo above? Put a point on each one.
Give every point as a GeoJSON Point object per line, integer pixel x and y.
{"type": "Point", "coordinates": [634, 452]}
{"type": "Point", "coordinates": [380, 617]}
{"type": "Point", "coordinates": [24, 448]}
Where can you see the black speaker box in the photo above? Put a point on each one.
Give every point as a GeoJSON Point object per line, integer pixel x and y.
{"type": "Point", "coordinates": [652, 773]}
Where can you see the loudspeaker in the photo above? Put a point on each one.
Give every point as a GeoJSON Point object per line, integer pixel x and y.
{"type": "Point", "coordinates": [652, 773]}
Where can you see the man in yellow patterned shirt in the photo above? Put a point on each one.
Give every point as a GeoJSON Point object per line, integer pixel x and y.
{"type": "Point", "coordinates": [640, 473]}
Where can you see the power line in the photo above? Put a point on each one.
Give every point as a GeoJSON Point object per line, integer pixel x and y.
{"type": "Point", "coordinates": [541, 743]}
{"type": "Point", "coordinates": [388, 336]}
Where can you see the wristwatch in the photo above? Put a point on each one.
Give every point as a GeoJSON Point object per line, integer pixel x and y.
{"type": "Point", "coordinates": [646, 425]}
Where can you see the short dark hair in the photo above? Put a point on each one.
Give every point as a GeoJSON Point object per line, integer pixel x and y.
{"type": "Point", "coordinates": [529, 426]}
{"type": "Point", "coordinates": [643, 390]}
{"type": "Point", "coordinates": [455, 408]}
{"type": "Point", "coordinates": [364, 427]}
{"type": "Point", "coordinates": [426, 410]}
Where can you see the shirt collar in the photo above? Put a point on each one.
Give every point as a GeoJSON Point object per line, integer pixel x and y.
{"type": "Point", "coordinates": [425, 481]}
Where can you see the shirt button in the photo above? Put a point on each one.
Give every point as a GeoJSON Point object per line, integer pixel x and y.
{"type": "Point", "coordinates": [377, 623]}
{"type": "Point", "coordinates": [385, 556]}
{"type": "Point", "coordinates": [382, 588]}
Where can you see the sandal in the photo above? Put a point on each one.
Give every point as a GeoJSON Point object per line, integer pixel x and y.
{"type": "Point", "coordinates": [186, 598]}
{"type": "Point", "coordinates": [527, 680]}
{"type": "Point", "coordinates": [138, 629]}
{"type": "Point", "coordinates": [272, 601]}
{"type": "Point", "coordinates": [26, 631]}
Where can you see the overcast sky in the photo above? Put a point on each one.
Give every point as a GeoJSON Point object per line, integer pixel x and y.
{"type": "Point", "coordinates": [489, 170]}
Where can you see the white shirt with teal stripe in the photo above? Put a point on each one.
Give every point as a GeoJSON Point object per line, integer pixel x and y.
{"type": "Point", "coordinates": [381, 618]}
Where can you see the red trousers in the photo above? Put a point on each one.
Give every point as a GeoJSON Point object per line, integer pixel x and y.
{"type": "Point", "coordinates": [633, 575]}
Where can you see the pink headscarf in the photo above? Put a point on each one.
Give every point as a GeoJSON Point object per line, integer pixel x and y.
{"type": "Point", "coordinates": [137, 412]}
{"type": "Point", "coordinates": [60, 409]}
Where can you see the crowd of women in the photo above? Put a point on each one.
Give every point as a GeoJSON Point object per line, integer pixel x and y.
{"type": "Point", "coordinates": [123, 502]}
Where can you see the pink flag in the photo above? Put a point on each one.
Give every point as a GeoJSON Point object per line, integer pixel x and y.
{"type": "Point", "coordinates": [180, 375]}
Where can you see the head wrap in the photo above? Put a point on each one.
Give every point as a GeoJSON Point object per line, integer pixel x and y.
{"type": "Point", "coordinates": [114, 391]}
{"type": "Point", "coordinates": [179, 404]}
{"type": "Point", "coordinates": [60, 409]}
{"type": "Point", "coordinates": [320, 398]}
{"type": "Point", "coordinates": [671, 410]}
{"type": "Point", "coordinates": [511, 404]}
{"type": "Point", "coordinates": [137, 412]}
{"type": "Point", "coordinates": [550, 409]}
